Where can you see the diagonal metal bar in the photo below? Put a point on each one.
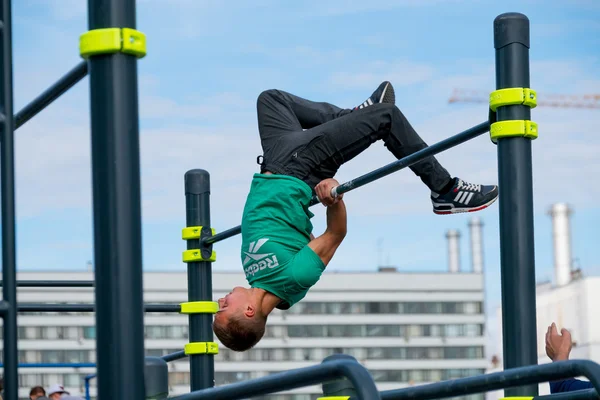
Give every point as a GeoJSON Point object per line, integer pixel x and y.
{"type": "Point", "coordinates": [52, 93]}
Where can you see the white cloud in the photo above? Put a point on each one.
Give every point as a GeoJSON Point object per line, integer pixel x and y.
{"type": "Point", "coordinates": [64, 9]}
{"type": "Point", "coordinates": [400, 73]}
{"type": "Point", "coordinates": [339, 7]}
{"type": "Point", "coordinates": [565, 152]}
{"type": "Point", "coordinates": [228, 106]}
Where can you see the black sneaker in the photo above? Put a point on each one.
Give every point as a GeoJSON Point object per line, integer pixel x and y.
{"type": "Point", "coordinates": [383, 94]}
{"type": "Point", "coordinates": [464, 197]}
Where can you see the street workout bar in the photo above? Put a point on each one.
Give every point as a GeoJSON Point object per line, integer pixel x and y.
{"type": "Point", "coordinates": [381, 172]}
{"type": "Point", "coordinates": [287, 380]}
{"type": "Point", "coordinates": [529, 375]}
{"type": "Point", "coordinates": [51, 94]}
{"type": "Point", "coordinates": [54, 284]}
{"type": "Point", "coordinates": [174, 308]}
{"type": "Point", "coordinates": [585, 394]}
{"type": "Point", "coordinates": [7, 181]}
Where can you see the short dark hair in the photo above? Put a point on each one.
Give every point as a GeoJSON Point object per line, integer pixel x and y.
{"type": "Point", "coordinates": [241, 333]}
{"type": "Point", "coordinates": [37, 390]}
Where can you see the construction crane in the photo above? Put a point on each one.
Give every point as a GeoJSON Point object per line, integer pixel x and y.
{"type": "Point", "coordinates": [589, 101]}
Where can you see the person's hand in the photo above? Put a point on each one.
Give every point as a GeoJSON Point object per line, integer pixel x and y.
{"type": "Point", "coordinates": [558, 346]}
{"type": "Point", "coordinates": [323, 191]}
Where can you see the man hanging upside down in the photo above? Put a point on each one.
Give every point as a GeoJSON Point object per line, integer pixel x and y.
{"type": "Point", "coordinates": [304, 144]}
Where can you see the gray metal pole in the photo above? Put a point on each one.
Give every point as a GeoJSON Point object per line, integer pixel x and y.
{"type": "Point", "coordinates": [117, 211]}
{"type": "Point", "coordinates": [157, 378]}
{"type": "Point", "coordinates": [511, 41]}
{"type": "Point", "coordinates": [199, 275]}
{"type": "Point", "coordinates": [340, 387]}
{"type": "Point", "coordinates": [7, 167]}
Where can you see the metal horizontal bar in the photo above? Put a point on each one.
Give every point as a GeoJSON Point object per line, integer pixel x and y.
{"type": "Point", "coordinates": [175, 308]}
{"type": "Point", "coordinates": [55, 365]}
{"type": "Point", "coordinates": [498, 380]}
{"type": "Point", "coordinates": [381, 172]}
{"type": "Point", "coordinates": [178, 355]}
{"type": "Point", "coordinates": [585, 394]}
{"type": "Point", "coordinates": [301, 377]}
{"type": "Point", "coordinates": [223, 235]}
{"type": "Point", "coordinates": [51, 94]}
{"type": "Point", "coordinates": [167, 357]}
{"type": "Point", "coordinates": [43, 283]}
{"type": "Point", "coordinates": [411, 159]}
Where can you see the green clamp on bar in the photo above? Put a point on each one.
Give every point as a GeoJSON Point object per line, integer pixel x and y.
{"type": "Point", "coordinates": [513, 96]}
{"type": "Point", "coordinates": [112, 40]}
{"type": "Point", "coordinates": [201, 348]}
{"type": "Point", "coordinates": [513, 128]}
{"type": "Point", "coordinates": [199, 307]}
{"type": "Point", "coordinates": [205, 253]}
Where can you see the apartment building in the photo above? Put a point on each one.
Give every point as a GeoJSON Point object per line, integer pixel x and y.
{"type": "Point", "coordinates": [405, 328]}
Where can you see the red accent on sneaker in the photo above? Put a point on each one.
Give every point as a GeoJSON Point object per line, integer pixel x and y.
{"type": "Point", "coordinates": [478, 209]}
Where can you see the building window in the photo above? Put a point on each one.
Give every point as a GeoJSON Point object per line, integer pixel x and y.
{"type": "Point", "coordinates": [89, 332]}
{"type": "Point", "coordinates": [415, 307]}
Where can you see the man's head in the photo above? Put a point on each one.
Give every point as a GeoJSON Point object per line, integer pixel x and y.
{"type": "Point", "coordinates": [36, 392]}
{"type": "Point", "coordinates": [240, 322]}
{"type": "Point", "coordinates": [56, 391]}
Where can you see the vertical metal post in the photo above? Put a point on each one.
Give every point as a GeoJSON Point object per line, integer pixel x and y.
{"type": "Point", "coordinates": [199, 275]}
{"type": "Point", "coordinates": [338, 388]}
{"type": "Point", "coordinates": [9, 268]}
{"type": "Point", "coordinates": [117, 210]}
{"type": "Point", "coordinates": [511, 41]}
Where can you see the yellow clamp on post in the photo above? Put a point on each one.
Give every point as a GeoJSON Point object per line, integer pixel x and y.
{"type": "Point", "coordinates": [517, 398]}
{"type": "Point", "coordinates": [504, 129]}
{"type": "Point", "coordinates": [195, 255]}
{"type": "Point", "coordinates": [513, 96]}
{"type": "Point", "coordinates": [193, 232]}
{"type": "Point", "coordinates": [112, 40]}
{"type": "Point", "coordinates": [199, 307]}
{"type": "Point", "coordinates": [334, 398]}
{"type": "Point", "coordinates": [201, 348]}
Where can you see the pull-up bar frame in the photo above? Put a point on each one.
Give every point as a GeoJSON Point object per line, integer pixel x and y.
{"type": "Point", "coordinates": [117, 218]}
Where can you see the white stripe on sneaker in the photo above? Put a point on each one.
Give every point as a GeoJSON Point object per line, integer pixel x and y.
{"type": "Point", "coordinates": [464, 196]}
{"type": "Point", "coordinates": [469, 198]}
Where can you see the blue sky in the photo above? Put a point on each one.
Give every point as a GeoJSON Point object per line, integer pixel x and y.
{"type": "Point", "coordinates": [208, 61]}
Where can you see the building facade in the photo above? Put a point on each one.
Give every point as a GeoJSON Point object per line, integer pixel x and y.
{"type": "Point", "coordinates": [406, 328]}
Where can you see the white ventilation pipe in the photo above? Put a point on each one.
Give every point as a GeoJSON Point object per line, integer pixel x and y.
{"type": "Point", "coordinates": [561, 235]}
{"type": "Point", "coordinates": [475, 228]}
{"type": "Point", "coordinates": [453, 237]}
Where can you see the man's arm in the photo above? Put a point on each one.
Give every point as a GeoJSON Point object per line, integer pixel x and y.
{"type": "Point", "coordinates": [326, 245]}
{"type": "Point", "coordinates": [558, 348]}
{"type": "Point", "coordinates": [569, 385]}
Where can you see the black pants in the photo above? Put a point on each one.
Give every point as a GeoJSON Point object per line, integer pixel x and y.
{"type": "Point", "coordinates": [311, 140]}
